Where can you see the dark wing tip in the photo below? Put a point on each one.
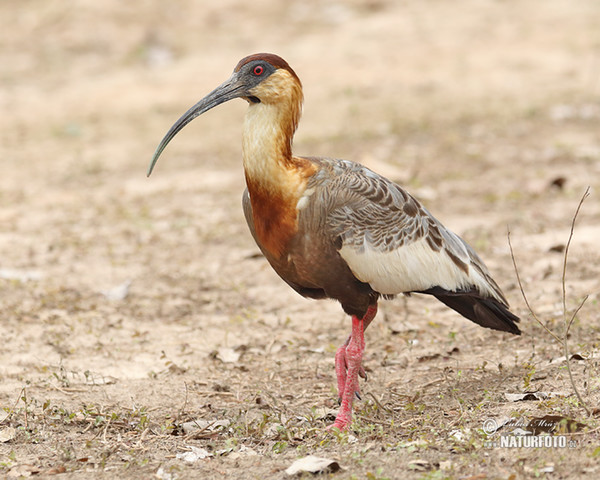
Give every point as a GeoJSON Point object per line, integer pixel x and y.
{"type": "Point", "coordinates": [487, 312]}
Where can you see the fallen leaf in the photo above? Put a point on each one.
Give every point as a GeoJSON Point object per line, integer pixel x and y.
{"type": "Point", "coordinates": [326, 414]}
{"type": "Point", "coordinates": [426, 358]}
{"type": "Point", "coordinates": [117, 293]}
{"type": "Point", "coordinates": [196, 426]}
{"type": "Point", "coordinates": [223, 452]}
{"type": "Point", "coordinates": [419, 465]}
{"type": "Point", "coordinates": [575, 356]}
{"type": "Point", "coordinates": [459, 435]}
{"type": "Point", "coordinates": [527, 396]}
{"type": "Point", "coordinates": [23, 470]}
{"type": "Point", "coordinates": [7, 434]}
{"type": "Point", "coordinates": [98, 379]}
{"type": "Point", "coordinates": [226, 355]}
{"type": "Point", "coordinates": [558, 182]}
{"type": "Point", "coordinates": [55, 470]}
{"type": "Point", "coordinates": [313, 464]}
{"type": "Point", "coordinates": [243, 451]}
{"type": "Point", "coordinates": [221, 387]}
{"type": "Point", "coordinates": [20, 275]}
{"type": "Point", "coordinates": [161, 474]}
{"type": "Point", "coordinates": [194, 454]}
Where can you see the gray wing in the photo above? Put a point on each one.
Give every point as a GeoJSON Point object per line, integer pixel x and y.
{"type": "Point", "coordinates": [388, 239]}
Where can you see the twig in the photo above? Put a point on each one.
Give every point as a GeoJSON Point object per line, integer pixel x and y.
{"type": "Point", "coordinates": [12, 410]}
{"type": "Point", "coordinates": [197, 435]}
{"type": "Point", "coordinates": [185, 400]}
{"type": "Point", "coordinates": [379, 404]}
{"type": "Point", "coordinates": [564, 274]}
{"type": "Point", "coordinates": [106, 430]}
{"type": "Point", "coordinates": [24, 398]}
{"type": "Point", "coordinates": [514, 261]}
{"type": "Point", "coordinates": [569, 322]}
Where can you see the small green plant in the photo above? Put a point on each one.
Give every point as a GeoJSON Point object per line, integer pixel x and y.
{"type": "Point", "coordinates": [528, 375]}
{"type": "Point", "coordinates": [378, 475]}
{"type": "Point", "coordinates": [280, 447]}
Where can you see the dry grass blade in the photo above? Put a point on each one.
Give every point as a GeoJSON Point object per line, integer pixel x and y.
{"type": "Point", "coordinates": [568, 322]}
{"type": "Point", "coordinates": [524, 295]}
{"type": "Point", "coordinates": [12, 410]}
{"type": "Point", "coordinates": [566, 255]}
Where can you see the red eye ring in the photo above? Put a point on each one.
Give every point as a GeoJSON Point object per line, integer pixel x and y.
{"type": "Point", "coordinates": [258, 70]}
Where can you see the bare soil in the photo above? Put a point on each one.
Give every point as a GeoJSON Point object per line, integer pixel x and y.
{"type": "Point", "coordinates": [130, 306]}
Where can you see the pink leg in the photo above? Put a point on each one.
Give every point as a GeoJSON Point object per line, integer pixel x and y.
{"type": "Point", "coordinates": [348, 359]}
{"type": "Point", "coordinates": [354, 353]}
{"type": "Point", "coordinates": [341, 365]}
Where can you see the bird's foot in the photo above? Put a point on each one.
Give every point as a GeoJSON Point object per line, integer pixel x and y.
{"type": "Point", "coordinates": [341, 370]}
{"type": "Point", "coordinates": [341, 424]}
{"type": "Point", "coordinates": [341, 355]}
{"type": "Point", "coordinates": [348, 364]}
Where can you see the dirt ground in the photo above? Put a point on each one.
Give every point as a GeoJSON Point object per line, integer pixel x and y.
{"type": "Point", "coordinates": [143, 335]}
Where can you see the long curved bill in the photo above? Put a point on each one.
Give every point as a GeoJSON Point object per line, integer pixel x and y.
{"type": "Point", "coordinates": [229, 90]}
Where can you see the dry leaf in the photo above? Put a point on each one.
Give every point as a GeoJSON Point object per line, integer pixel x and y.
{"type": "Point", "coordinates": [243, 451]}
{"type": "Point", "coordinates": [7, 434]}
{"type": "Point", "coordinates": [558, 182]}
{"type": "Point", "coordinates": [204, 425]}
{"type": "Point", "coordinates": [425, 358]}
{"type": "Point", "coordinates": [575, 356]}
{"type": "Point", "coordinates": [23, 470]}
{"type": "Point", "coordinates": [226, 355]}
{"type": "Point", "coordinates": [314, 465]}
{"type": "Point", "coordinates": [55, 470]}
{"type": "Point", "coordinates": [20, 275]}
{"type": "Point", "coordinates": [522, 397]}
{"type": "Point", "coordinates": [326, 414]}
{"type": "Point", "coordinates": [119, 292]}
{"type": "Point", "coordinates": [194, 454]}
{"type": "Point", "coordinates": [479, 476]}
{"type": "Point", "coordinates": [419, 465]}
{"type": "Point", "coordinates": [161, 474]}
{"type": "Point", "coordinates": [98, 379]}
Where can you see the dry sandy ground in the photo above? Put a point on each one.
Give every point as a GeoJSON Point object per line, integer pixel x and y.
{"type": "Point", "coordinates": [129, 306]}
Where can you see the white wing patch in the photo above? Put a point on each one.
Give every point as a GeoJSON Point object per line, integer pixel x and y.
{"type": "Point", "coordinates": [412, 267]}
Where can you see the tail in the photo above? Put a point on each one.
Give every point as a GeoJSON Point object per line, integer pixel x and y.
{"type": "Point", "coordinates": [487, 312]}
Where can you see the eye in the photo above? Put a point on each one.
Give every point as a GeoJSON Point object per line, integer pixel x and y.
{"type": "Point", "coordinates": [258, 70]}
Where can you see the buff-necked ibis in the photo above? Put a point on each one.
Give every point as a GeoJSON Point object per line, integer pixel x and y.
{"type": "Point", "coordinates": [335, 229]}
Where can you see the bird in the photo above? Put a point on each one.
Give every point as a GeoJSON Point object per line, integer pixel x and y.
{"type": "Point", "coordinates": [335, 229]}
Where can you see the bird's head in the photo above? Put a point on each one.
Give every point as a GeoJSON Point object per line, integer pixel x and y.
{"type": "Point", "coordinates": [262, 78]}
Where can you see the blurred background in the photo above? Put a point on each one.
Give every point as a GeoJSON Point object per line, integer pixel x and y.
{"type": "Point", "coordinates": [475, 106]}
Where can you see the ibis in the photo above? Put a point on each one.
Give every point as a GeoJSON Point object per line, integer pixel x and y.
{"type": "Point", "coordinates": [335, 229]}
